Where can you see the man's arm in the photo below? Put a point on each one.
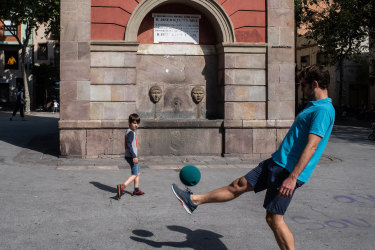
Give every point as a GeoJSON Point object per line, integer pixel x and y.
{"type": "Point", "coordinates": [287, 188]}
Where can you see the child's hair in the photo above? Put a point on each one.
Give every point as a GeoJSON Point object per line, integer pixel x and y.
{"type": "Point", "coordinates": [134, 117]}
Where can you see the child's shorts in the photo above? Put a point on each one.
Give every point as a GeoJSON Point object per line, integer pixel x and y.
{"type": "Point", "coordinates": [270, 176]}
{"type": "Point", "coordinates": [134, 166]}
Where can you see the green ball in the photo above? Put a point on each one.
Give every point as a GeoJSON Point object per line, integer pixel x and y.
{"type": "Point", "coordinates": [190, 175]}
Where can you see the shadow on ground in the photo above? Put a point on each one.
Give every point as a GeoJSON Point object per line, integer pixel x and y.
{"type": "Point", "coordinates": [197, 239]}
{"type": "Point", "coordinates": [352, 134]}
{"type": "Point", "coordinates": [38, 133]}
{"type": "Point", "coordinates": [109, 189]}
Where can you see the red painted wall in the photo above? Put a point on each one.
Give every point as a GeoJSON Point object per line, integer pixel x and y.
{"type": "Point", "coordinates": [207, 34]}
{"type": "Point", "coordinates": [9, 38]}
{"type": "Point", "coordinates": [110, 17]}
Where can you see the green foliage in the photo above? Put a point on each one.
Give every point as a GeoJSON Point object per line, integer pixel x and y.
{"type": "Point", "coordinates": [298, 12]}
{"type": "Point", "coordinates": [32, 13]}
{"type": "Point", "coordinates": [339, 27]}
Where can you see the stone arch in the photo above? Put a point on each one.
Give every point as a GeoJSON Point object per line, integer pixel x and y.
{"type": "Point", "coordinates": [213, 10]}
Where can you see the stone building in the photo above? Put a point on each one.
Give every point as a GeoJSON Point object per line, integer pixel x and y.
{"type": "Point", "coordinates": [358, 91]}
{"type": "Point", "coordinates": [41, 50]}
{"type": "Point", "coordinates": [46, 60]}
{"type": "Point", "coordinates": [10, 66]}
{"type": "Point", "coordinates": [213, 77]}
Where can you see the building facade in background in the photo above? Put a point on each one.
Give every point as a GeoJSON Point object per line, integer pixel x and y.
{"type": "Point", "coordinates": [207, 77]}
{"type": "Point", "coordinates": [41, 51]}
{"type": "Point", "coordinates": [358, 90]}
{"type": "Point", "coordinates": [46, 55]}
{"type": "Point", "coordinates": [10, 67]}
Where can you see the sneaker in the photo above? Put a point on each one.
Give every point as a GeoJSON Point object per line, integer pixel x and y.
{"type": "Point", "coordinates": [138, 193]}
{"type": "Point", "coordinates": [120, 189]}
{"type": "Point", "coordinates": [184, 198]}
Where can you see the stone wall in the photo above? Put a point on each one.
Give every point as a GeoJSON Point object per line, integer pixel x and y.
{"type": "Point", "coordinates": [103, 139]}
{"type": "Point", "coordinates": [177, 69]}
{"type": "Point", "coordinates": [75, 60]}
{"type": "Point", "coordinates": [281, 60]}
{"type": "Point", "coordinates": [249, 84]}
{"type": "Point", "coordinates": [113, 79]}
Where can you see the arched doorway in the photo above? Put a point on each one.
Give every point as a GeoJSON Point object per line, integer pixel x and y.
{"type": "Point", "coordinates": [210, 8]}
{"type": "Point", "coordinates": [177, 68]}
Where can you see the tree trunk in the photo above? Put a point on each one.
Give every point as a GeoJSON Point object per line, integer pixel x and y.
{"type": "Point", "coordinates": [25, 81]}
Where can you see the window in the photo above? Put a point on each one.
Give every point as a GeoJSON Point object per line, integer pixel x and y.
{"type": "Point", "coordinates": [305, 61]}
{"type": "Point", "coordinates": [9, 28]}
{"type": "Point", "coordinates": [321, 59]}
{"type": "Point", "coordinates": [11, 59]}
{"type": "Point", "coordinates": [42, 51]}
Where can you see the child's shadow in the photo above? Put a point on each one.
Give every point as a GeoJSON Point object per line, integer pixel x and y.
{"type": "Point", "coordinates": [108, 189]}
{"type": "Point", "coordinates": [198, 239]}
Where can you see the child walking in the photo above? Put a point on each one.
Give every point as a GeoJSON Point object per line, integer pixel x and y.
{"type": "Point", "coordinates": [55, 106]}
{"type": "Point", "coordinates": [131, 156]}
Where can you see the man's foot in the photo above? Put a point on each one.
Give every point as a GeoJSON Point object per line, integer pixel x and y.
{"type": "Point", "coordinates": [184, 198]}
{"type": "Point", "coordinates": [11, 119]}
{"type": "Point", "coordinates": [138, 193]}
{"type": "Point", "coordinates": [120, 189]}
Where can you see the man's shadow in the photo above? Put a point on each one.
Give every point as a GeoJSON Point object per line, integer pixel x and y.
{"type": "Point", "coordinates": [198, 239]}
{"type": "Point", "coordinates": [108, 189]}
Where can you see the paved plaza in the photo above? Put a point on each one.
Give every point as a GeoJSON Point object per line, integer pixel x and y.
{"type": "Point", "coordinates": [47, 202]}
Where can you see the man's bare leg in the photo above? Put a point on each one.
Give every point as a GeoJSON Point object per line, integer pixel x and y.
{"type": "Point", "coordinates": [283, 235]}
{"type": "Point", "coordinates": [227, 193]}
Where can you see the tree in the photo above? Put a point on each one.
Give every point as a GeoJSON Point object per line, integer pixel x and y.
{"type": "Point", "coordinates": [339, 27]}
{"type": "Point", "coordinates": [30, 13]}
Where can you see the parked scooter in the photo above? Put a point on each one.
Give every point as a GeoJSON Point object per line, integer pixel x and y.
{"type": "Point", "coordinates": [372, 135]}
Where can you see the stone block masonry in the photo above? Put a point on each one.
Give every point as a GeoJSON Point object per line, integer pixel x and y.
{"type": "Point", "coordinates": [243, 65]}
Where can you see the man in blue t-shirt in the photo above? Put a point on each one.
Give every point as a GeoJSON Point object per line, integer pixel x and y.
{"type": "Point", "coordinates": [290, 166]}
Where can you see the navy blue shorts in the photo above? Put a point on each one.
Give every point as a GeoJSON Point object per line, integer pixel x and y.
{"type": "Point", "coordinates": [134, 166]}
{"type": "Point", "coordinates": [269, 176]}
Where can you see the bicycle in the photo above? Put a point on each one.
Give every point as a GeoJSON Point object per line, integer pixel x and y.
{"type": "Point", "coordinates": [371, 136]}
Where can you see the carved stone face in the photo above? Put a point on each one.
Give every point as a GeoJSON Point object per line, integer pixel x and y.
{"type": "Point", "coordinates": [155, 94]}
{"type": "Point", "coordinates": [197, 93]}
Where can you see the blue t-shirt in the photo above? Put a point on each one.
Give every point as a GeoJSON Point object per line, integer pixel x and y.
{"type": "Point", "coordinates": [317, 118]}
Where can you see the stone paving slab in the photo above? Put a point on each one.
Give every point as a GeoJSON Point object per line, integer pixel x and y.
{"type": "Point", "coordinates": [76, 208]}
{"type": "Point", "coordinates": [159, 162]}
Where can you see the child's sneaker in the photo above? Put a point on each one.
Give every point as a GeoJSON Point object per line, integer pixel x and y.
{"type": "Point", "coordinates": [138, 193]}
{"type": "Point", "coordinates": [184, 198]}
{"type": "Point", "coordinates": [120, 189]}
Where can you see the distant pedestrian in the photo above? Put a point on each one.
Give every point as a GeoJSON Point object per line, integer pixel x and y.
{"type": "Point", "coordinates": [55, 107]}
{"type": "Point", "coordinates": [20, 104]}
{"type": "Point", "coordinates": [289, 167]}
{"type": "Point", "coordinates": [131, 156]}
{"type": "Point", "coordinates": [11, 60]}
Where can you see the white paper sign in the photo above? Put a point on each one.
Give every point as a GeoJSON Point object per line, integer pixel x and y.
{"type": "Point", "coordinates": [176, 28]}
